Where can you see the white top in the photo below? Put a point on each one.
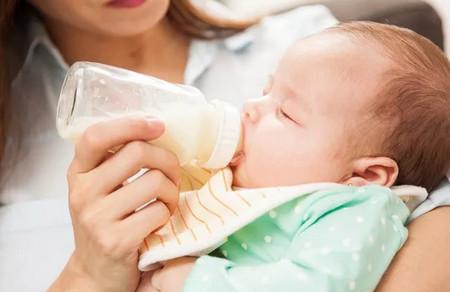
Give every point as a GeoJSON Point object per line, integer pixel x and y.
{"type": "Point", "coordinates": [35, 230]}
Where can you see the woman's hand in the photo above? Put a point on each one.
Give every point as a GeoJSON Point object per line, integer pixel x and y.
{"type": "Point", "coordinates": [107, 231]}
{"type": "Point", "coordinates": [173, 275]}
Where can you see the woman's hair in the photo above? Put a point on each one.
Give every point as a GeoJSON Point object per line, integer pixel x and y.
{"type": "Point", "coordinates": [13, 14]}
{"type": "Point", "coordinates": [196, 22]}
{"type": "Point", "coordinates": [7, 16]}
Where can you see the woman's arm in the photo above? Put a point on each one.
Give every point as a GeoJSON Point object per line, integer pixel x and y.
{"type": "Point", "coordinates": [423, 264]}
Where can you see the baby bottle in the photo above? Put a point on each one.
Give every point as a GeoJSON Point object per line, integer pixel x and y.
{"type": "Point", "coordinates": [196, 131]}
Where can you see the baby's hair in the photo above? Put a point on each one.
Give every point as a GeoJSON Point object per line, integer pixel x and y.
{"type": "Point", "coordinates": [415, 99]}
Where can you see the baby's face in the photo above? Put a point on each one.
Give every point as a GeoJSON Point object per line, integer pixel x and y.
{"type": "Point", "coordinates": [303, 128]}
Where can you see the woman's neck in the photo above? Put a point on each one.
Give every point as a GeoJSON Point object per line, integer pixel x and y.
{"type": "Point", "coordinates": [162, 51]}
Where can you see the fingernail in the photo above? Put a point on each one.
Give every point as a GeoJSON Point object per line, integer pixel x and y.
{"type": "Point", "coordinates": [155, 123]}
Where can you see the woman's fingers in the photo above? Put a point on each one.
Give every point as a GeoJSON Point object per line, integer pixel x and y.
{"type": "Point", "coordinates": [144, 222]}
{"type": "Point", "coordinates": [115, 239]}
{"type": "Point", "coordinates": [129, 160]}
{"type": "Point", "coordinates": [107, 231]}
{"type": "Point", "coordinates": [152, 185]}
{"type": "Point", "coordinates": [94, 144]}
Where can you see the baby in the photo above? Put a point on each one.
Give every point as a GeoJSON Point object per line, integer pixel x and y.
{"type": "Point", "coordinates": [363, 105]}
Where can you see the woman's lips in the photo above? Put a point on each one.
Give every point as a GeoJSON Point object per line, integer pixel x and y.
{"type": "Point", "coordinates": [125, 3]}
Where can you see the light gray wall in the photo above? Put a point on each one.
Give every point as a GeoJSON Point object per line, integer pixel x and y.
{"type": "Point", "coordinates": [443, 7]}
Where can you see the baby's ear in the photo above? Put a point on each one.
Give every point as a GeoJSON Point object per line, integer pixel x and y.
{"type": "Point", "coordinates": [373, 170]}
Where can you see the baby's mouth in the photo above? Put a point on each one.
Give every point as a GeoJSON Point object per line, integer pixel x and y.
{"type": "Point", "coordinates": [236, 159]}
{"type": "Point", "coordinates": [240, 149]}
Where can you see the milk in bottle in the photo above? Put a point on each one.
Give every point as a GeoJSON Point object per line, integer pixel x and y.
{"type": "Point", "coordinates": [205, 133]}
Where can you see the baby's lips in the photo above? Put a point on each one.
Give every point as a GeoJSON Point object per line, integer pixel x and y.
{"type": "Point", "coordinates": [240, 148]}
{"type": "Point", "coordinates": [236, 159]}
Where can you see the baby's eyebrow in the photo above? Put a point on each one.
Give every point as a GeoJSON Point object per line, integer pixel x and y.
{"type": "Point", "coordinates": [298, 98]}
{"type": "Point", "coordinates": [292, 93]}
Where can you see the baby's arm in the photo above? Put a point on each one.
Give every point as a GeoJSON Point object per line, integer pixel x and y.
{"type": "Point", "coordinates": [170, 278]}
{"type": "Point", "coordinates": [146, 284]}
{"type": "Point", "coordinates": [341, 241]}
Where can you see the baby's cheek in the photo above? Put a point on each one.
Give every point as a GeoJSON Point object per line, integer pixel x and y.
{"type": "Point", "coordinates": [259, 172]}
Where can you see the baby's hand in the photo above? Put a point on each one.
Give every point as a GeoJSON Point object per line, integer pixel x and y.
{"type": "Point", "coordinates": [172, 276]}
{"type": "Point", "coordinates": [146, 283]}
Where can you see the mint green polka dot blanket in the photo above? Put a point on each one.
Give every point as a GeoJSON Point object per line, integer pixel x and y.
{"type": "Point", "coordinates": [312, 237]}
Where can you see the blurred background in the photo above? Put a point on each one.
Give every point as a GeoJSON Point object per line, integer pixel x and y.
{"type": "Point", "coordinates": [430, 18]}
{"type": "Point", "coordinates": [443, 8]}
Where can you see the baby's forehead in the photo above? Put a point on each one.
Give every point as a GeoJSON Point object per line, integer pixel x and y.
{"type": "Point", "coordinates": [335, 46]}
{"type": "Point", "coordinates": [335, 69]}
{"type": "Point", "coordinates": [346, 57]}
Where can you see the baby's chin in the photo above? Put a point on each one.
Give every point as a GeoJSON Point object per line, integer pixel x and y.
{"type": "Point", "coordinates": [240, 180]}
{"type": "Point", "coordinates": [237, 180]}
{"type": "Point", "coordinates": [236, 166]}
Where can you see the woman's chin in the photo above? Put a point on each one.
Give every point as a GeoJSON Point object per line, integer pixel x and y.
{"type": "Point", "coordinates": [123, 22]}
{"type": "Point", "coordinates": [126, 27]}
